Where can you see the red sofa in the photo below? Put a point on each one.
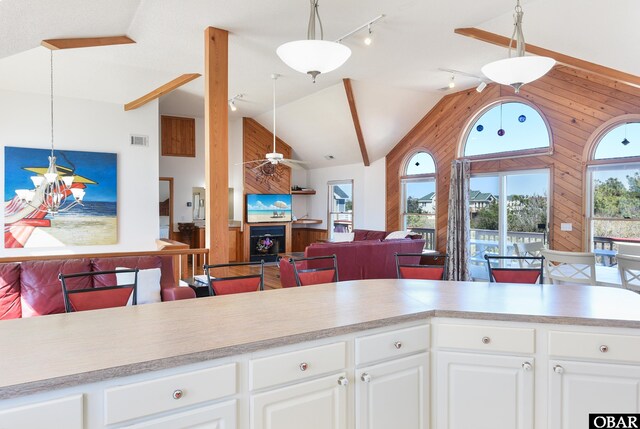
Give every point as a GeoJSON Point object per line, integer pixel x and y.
{"type": "Point", "coordinates": [367, 258]}
{"type": "Point", "coordinates": [32, 288]}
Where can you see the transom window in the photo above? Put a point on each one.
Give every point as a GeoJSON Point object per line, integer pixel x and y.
{"type": "Point", "coordinates": [505, 128]}
{"type": "Point", "coordinates": [419, 197]}
{"type": "Point", "coordinates": [622, 141]}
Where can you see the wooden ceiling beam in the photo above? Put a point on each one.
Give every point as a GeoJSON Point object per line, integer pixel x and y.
{"type": "Point", "coordinates": [577, 63]}
{"type": "Point", "coordinates": [85, 42]}
{"type": "Point", "coordinates": [162, 90]}
{"type": "Point", "coordinates": [356, 121]}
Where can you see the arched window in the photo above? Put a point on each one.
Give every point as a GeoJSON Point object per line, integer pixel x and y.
{"type": "Point", "coordinates": [418, 184]}
{"type": "Point", "coordinates": [507, 127]}
{"type": "Point", "coordinates": [613, 178]}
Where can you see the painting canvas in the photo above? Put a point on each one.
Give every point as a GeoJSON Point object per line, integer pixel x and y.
{"type": "Point", "coordinates": [93, 223]}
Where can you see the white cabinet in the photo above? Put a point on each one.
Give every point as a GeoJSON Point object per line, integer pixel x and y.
{"type": "Point", "coordinates": [63, 413]}
{"type": "Point", "coordinates": [579, 388]}
{"type": "Point", "coordinates": [218, 416]}
{"type": "Point", "coordinates": [393, 394]}
{"type": "Point", "coordinates": [482, 391]}
{"type": "Point", "coordinates": [316, 404]}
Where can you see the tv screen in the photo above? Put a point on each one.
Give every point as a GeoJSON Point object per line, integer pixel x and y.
{"type": "Point", "coordinates": [268, 208]}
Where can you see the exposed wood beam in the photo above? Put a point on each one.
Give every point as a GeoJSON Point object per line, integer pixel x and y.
{"type": "Point", "coordinates": [356, 121]}
{"type": "Point", "coordinates": [162, 90]}
{"type": "Point", "coordinates": [85, 42]}
{"type": "Point", "coordinates": [216, 150]}
{"type": "Point", "coordinates": [577, 63]}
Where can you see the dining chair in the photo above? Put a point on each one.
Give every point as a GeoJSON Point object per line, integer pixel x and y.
{"type": "Point", "coordinates": [529, 249]}
{"type": "Point", "coordinates": [628, 249]}
{"type": "Point", "coordinates": [95, 298]}
{"type": "Point", "coordinates": [629, 268]}
{"type": "Point", "coordinates": [244, 280]}
{"type": "Point", "coordinates": [315, 270]}
{"type": "Point", "coordinates": [421, 266]}
{"type": "Point", "coordinates": [569, 267]}
{"type": "Point", "coordinates": [529, 269]}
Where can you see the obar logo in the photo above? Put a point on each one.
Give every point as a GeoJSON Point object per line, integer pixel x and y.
{"type": "Point", "coordinates": [610, 421]}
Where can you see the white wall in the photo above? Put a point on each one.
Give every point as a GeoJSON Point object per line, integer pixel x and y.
{"type": "Point", "coordinates": [96, 127]}
{"type": "Point", "coordinates": [369, 195]}
{"type": "Point", "coordinates": [236, 178]}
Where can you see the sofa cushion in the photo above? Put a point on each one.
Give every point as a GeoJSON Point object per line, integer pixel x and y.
{"type": "Point", "coordinates": [41, 291]}
{"type": "Point", "coordinates": [367, 234]}
{"type": "Point", "coordinates": [10, 307]}
{"type": "Point", "coordinates": [376, 235]}
{"type": "Point", "coordinates": [360, 234]}
{"type": "Point", "coordinates": [148, 288]}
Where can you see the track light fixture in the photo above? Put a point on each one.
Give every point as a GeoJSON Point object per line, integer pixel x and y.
{"type": "Point", "coordinates": [452, 83]}
{"type": "Point", "coordinates": [368, 25]}
{"type": "Point", "coordinates": [368, 40]}
{"type": "Point", "coordinates": [232, 102]}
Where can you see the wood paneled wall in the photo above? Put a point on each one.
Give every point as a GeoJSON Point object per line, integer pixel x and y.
{"type": "Point", "coordinates": [302, 237]}
{"type": "Point", "coordinates": [574, 103]}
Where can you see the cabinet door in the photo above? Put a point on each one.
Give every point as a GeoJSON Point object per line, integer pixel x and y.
{"type": "Point", "coordinates": [484, 391]}
{"type": "Point", "coordinates": [393, 394]}
{"type": "Point", "coordinates": [219, 416]}
{"type": "Point", "coordinates": [317, 404]}
{"type": "Point", "coordinates": [579, 388]}
{"type": "Point", "coordinates": [63, 413]}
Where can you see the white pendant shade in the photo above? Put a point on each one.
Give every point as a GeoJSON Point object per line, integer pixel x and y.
{"type": "Point", "coordinates": [517, 71]}
{"type": "Point", "coordinates": [308, 56]}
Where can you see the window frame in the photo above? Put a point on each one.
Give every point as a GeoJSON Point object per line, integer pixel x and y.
{"type": "Point", "coordinates": [330, 185]}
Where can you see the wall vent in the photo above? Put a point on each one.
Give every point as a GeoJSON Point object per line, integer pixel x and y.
{"type": "Point", "coordinates": [138, 140]}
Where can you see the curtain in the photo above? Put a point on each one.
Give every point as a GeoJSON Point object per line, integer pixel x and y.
{"type": "Point", "coordinates": [458, 228]}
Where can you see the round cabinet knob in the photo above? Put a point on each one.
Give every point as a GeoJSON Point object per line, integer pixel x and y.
{"type": "Point", "coordinates": [527, 366]}
{"type": "Point", "coordinates": [304, 366]}
{"type": "Point", "coordinates": [177, 394]}
{"type": "Point", "coordinates": [365, 377]}
{"type": "Point", "coordinates": [343, 381]}
{"type": "Point", "coordinates": [558, 369]}
{"type": "Point", "coordinates": [486, 340]}
{"type": "Point", "coordinates": [397, 345]}
{"type": "Point", "coordinates": [604, 348]}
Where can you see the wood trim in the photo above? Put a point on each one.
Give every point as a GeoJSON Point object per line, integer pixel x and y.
{"type": "Point", "coordinates": [577, 63]}
{"type": "Point", "coordinates": [171, 201]}
{"type": "Point", "coordinates": [85, 42]}
{"type": "Point", "coordinates": [162, 90]}
{"type": "Point", "coordinates": [105, 255]}
{"type": "Point", "coordinates": [356, 121]}
{"type": "Point", "coordinates": [216, 126]}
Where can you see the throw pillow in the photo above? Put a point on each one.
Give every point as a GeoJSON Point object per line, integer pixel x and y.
{"type": "Point", "coordinates": [341, 237]}
{"type": "Point", "coordinates": [397, 234]}
{"type": "Point", "coordinates": [148, 284]}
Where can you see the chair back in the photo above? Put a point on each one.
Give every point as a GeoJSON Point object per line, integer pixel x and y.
{"type": "Point", "coordinates": [243, 280]}
{"type": "Point", "coordinates": [316, 270]}
{"type": "Point", "coordinates": [529, 249]}
{"type": "Point", "coordinates": [421, 266]}
{"type": "Point", "coordinates": [629, 268]}
{"type": "Point", "coordinates": [503, 269]}
{"type": "Point", "coordinates": [95, 298]}
{"type": "Point", "coordinates": [570, 267]}
{"type": "Point", "coordinates": [628, 249]}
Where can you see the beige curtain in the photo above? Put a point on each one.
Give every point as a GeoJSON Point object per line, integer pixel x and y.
{"type": "Point", "coordinates": [458, 229]}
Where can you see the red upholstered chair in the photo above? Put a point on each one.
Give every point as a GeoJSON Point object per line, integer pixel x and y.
{"type": "Point", "coordinates": [520, 269]}
{"type": "Point", "coordinates": [94, 298]}
{"type": "Point", "coordinates": [226, 285]}
{"type": "Point", "coordinates": [421, 266]}
{"type": "Point", "coordinates": [317, 270]}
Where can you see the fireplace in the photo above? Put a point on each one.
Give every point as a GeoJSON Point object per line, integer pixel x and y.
{"type": "Point", "coordinates": [265, 242]}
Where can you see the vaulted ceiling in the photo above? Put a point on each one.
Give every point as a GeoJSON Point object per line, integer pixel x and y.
{"type": "Point", "coordinates": [396, 79]}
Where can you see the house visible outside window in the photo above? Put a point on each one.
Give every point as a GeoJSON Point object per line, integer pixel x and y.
{"type": "Point", "coordinates": [340, 207]}
{"type": "Point", "coordinates": [419, 197]}
{"type": "Point", "coordinates": [613, 177]}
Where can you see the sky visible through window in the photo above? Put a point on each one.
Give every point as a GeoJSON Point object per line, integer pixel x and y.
{"type": "Point", "coordinates": [507, 127]}
{"type": "Point", "coordinates": [420, 163]}
{"type": "Point", "coordinates": [611, 145]}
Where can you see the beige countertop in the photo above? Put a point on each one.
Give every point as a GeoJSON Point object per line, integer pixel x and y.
{"type": "Point", "coordinates": [50, 352]}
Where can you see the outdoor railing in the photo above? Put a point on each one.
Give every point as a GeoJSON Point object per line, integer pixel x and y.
{"type": "Point", "coordinates": [429, 235]}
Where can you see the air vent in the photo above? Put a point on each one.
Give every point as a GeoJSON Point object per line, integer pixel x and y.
{"type": "Point", "coordinates": [137, 140]}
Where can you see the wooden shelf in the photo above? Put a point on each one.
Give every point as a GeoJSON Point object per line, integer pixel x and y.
{"type": "Point", "coordinates": [309, 192]}
{"type": "Point", "coordinates": [306, 221]}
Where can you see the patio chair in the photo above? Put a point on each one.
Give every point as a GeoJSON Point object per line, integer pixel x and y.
{"type": "Point", "coordinates": [316, 270]}
{"type": "Point", "coordinates": [421, 266]}
{"type": "Point", "coordinates": [530, 273]}
{"type": "Point", "coordinates": [629, 268]}
{"type": "Point", "coordinates": [95, 298]}
{"type": "Point", "coordinates": [234, 284]}
{"type": "Point", "coordinates": [570, 267]}
{"type": "Point", "coordinates": [529, 249]}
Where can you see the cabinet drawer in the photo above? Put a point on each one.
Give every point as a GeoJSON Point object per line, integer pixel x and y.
{"type": "Point", "coordinates": [168, 393]}
{"type": "Point", "coordinates": [62, 413]}
{"type": "Point", "coordinates": [298, 365]}
{"type": "Point", "coordinates": [391, 344]}
{"type": "Point", "coordinates": [595, 346]}
{"type": "Point", "coordinates": [485, 338]}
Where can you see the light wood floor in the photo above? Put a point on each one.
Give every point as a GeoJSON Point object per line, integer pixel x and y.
{"type": "Point", "coordinates": [271, 274]}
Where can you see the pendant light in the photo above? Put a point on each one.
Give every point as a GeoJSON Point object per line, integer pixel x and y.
{"type": "Point", "coordinates": [521, 69]}
{"type": "Point", "coordinates": [313, 56]}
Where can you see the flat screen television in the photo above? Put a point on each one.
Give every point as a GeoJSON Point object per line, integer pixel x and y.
{"type": "Point", "coordinates": [262, 208]}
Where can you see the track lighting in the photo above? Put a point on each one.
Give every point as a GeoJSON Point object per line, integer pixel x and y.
{"type": "Point", "coordinates": [368, 25]}
{"type": "Point", "coordinates": [232, 102]}
{"type": "Point", "coordinates": [368, 40]}
{"type": "Point", "coordinates": [452, 84]}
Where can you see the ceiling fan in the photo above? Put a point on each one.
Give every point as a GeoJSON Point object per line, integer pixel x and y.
{"type": "Point", "coordinates": [482, 80]}
{"type": "Point", "coordinates": [273, 159]}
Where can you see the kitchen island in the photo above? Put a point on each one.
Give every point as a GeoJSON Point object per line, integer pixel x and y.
{"type": "Point", "coordinates": [247, 340]}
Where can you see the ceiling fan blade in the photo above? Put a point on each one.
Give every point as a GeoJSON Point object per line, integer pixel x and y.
{"type": "Point", "coordinates": [293, 165]}
{"type": "Point", "coordinates": [295, 161]}
{"type": "Point", "coordinates": [250, 162]}
{"type": "Point", "coordinates": [260, 165]}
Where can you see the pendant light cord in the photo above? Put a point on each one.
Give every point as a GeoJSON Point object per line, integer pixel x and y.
{"type": "Point", "coordinates": [51, 67]}
{"type": "Point", "coordinates": [517, 32]}
{"type": "Point", "coordinates": [275, 77]}
{"type": "Point", "coordinates": [311, 30]}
